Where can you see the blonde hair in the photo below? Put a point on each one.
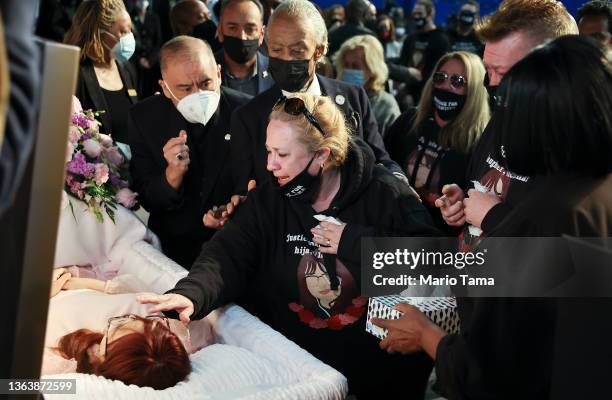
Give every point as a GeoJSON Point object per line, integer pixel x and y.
{"type": "Point", "coordinates": [331, 119]}
{"type": "Point", "coordinates": [374, 58]}
{"type": "Point", "coordinates": [462, 132]}
{"type": "Point", "coordinates": [541, 20]}
{"type": "Point", "coordinates": [90, 18]}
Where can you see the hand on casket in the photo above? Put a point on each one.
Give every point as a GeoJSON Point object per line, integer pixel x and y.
{"type": "Point", "coordinates": [168, 302]}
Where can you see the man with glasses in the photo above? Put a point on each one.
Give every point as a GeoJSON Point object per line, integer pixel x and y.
{"type": "Point", "coordinates": [181, 141]}
{"type": "Point", "coordinates": [241, 32]}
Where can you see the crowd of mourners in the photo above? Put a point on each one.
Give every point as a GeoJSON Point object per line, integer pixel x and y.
{"type": "Point", "coordinates": [242, 120]}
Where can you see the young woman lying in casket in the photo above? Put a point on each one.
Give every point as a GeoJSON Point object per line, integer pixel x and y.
{"type": "Point", "coordinates": [111, 335]}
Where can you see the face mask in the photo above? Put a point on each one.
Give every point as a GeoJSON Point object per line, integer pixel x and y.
{"type": "Point", "coordinates": [290, 76]}
{"type": "Point", "coordinates": [383, 35]}
{"type": "Point", "coordinates": [124, 48]}
{"type": "Point", "coordinates": [466, 18]}
{"type": "Point", "coordinates": [199, 107]}
{"type": "Point", "coordinates": [400, 31]}
{"type": "Point", "coordinates": [447, 104]}
{"type": "Point", "coordinates": [302, 187]}
{"type": "Point", "coordinates": [419, 22]}
{"type": "Point", "coordinates": [353, 76]}
{"type": "Point", "coordinates": [240, 50]}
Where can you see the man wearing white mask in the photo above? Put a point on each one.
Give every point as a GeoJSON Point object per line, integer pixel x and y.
{"type": "Point", "coordinates": [180, 145]}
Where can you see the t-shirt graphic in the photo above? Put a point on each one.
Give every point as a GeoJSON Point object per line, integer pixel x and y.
{"type": "Point", "coordinates": [496, 180]}
{"type": "Point", "coordinates": [326, 300]}
{"type": "Point", "coordinates": [423, 169]}
{"type": "Point", "coordinates": [417, 55]}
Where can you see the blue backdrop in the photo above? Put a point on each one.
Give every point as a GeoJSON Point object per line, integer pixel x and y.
{"type": "Point", "coordinates": [446, 7]}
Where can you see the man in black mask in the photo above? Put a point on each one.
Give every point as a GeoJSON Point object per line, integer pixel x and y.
{"type": "Point", "coordinates": [358, 12]}
{"type": "Point", "coordinates": [423, 48]}
{"type": "Point", "coordinates": [241, 32]}
{"type": "Point", "coordinates": [464, 38]}
{"type": "Point", "coordinates": [297, 39]}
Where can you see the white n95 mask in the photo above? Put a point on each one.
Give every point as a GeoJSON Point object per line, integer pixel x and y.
{"type": "Point", "coordinates": [198, 107]}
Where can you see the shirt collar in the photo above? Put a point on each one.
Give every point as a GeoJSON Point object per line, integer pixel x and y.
{"type": "Point", "coordinates": [314, 88]}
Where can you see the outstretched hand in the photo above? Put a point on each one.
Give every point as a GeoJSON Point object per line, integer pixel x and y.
{"type": "Point", "coordinates": [168, 302]}
{"type": "Point", "coordinates": [217, 217]}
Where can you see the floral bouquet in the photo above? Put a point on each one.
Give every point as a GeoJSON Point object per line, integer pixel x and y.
{"type": "Point", "coordinates": [96, 171]}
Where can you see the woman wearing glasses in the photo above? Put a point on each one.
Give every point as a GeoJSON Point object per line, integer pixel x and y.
{"type": "Point", "coordinates": [433, 141]}
{"type": "Point", "coordinates": [119, 340]}
{"type": "Point", "coordinates": [293, 251]}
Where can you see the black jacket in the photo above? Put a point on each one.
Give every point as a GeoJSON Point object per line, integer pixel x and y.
{"type": "Point", "coordinates": [264, 78]}
{"type": "Point", "coordinates": [176, 216]}
{"type": "Point", "coordinates": [546, 348]}
{"type": "Point", "coordinates": [262, 252]}
{"type": "Point", "coordinates": [342, 33]}
{"type": "Point", "coordinates": [89, 92]}
{"type": "Point", "coordinates": [249, 152]}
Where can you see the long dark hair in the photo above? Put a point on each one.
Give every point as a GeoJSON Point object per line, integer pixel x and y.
{"type": "Point", "coordinates": [555, 110]}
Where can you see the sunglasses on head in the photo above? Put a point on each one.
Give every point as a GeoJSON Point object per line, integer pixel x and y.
{"type": "Point", "coordinates": [295, 106]}
{"type": "Point", "coordinates": [456, 81]}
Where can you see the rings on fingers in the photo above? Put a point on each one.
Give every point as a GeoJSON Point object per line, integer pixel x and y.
{"type": "Point", "coordinates": [328, 242]}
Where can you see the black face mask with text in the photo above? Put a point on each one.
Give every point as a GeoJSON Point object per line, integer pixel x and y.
{"type": "Point", "coordinates": [290, 76]}
{"type": "Point", "coordinates": [240, 50]}
{"type": "Point", "coordinates": [302, 187]}
{"type": "Point", "coordinates": [447, 104]}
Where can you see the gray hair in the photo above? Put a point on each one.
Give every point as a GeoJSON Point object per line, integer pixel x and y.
{"type": "Point", "coordinates": [303, 10]}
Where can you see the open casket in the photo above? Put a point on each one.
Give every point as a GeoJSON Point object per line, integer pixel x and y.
{"type": "Point", "coordinates": [248, 360]}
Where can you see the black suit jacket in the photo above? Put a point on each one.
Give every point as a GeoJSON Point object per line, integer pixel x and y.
{"type": "Point", "coordinates": [250, 121]}
{"type": "Point", "coordinates": [264, 78]}
{"type": "Point", "coordinates": [90, 93]}
{"type": "Point", "coordinates": [176, 216]}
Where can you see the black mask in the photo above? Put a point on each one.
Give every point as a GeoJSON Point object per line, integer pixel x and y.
{"type": "Point", "coordinates": [290, 76]}
{"type": "Point", "coordinates": [419, 22]}
{"type": "Point", "coordinates": [240, 50]}
{"type": "Point", "coordinates": [466, 18]}
{"type": "Point", "coordinates": [302, 187]}
{"type": "Point", "coordinates": [493, 98]}
{"type": "Point", "coordinates": [447, 104]}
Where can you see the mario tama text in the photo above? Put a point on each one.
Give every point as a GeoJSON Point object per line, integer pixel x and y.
{"type": "Point", "coordinates": [428, 265]}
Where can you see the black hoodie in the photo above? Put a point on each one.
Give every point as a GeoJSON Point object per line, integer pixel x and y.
{"type": "Point", "coordinates": [267, 253]}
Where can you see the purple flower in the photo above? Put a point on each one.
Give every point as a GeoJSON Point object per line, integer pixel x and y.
{"type": "Point", "coordinates": [115, 180]}
{"type": "Point", "coordinates": [105, 140]}
{"type": "Point", "coordinates": [114, 156]}
{"type": "Point", "coordinates": [126, 197]}
{"type": "Point", "coordinates": [79, 166]}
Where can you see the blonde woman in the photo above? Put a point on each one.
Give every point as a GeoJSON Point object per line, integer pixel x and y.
{"type": "Point", "coordinates": [432, 142]}
{"type": "Point", "coordinates": [361, 61]}
{"type": "Point", "coordinates": [103, 31]}
{"type": "Point", "coordinates": [303, 276]}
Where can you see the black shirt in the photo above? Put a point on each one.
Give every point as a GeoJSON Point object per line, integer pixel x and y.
{"type": "Point", "coordinates": [118, 106]}
{"type": "Point", "coordinates": [428, 165]}
{"type": "Point", "coordinates": [422, 50]}
{"type": "Point", "coordinates": [469, 43]}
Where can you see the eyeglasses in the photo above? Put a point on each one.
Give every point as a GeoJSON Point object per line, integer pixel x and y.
{"type": "Point", "coordinates": [295, 106]}
{"type": "Point", "coordinates": [115, 323]}
{"type": "Point", "coordinates": [456, 81]}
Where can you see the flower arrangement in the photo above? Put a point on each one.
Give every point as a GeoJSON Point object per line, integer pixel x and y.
{"type": "Point", "coordinates": [96, 171]}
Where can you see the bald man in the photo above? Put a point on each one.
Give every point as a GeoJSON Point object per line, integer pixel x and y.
{"type": "Point", "coordinates": [181, 141]}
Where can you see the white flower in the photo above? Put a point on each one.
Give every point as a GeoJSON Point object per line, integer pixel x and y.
{"type": "Point", "coordinates": [114, 156]}
{"type": "Point", "coordinates": [69, 151]}
{"type": "Point", "coordinates": [106, 140]}
{"type": "Point", "coordinates": [92, 148]}
{"type": "Point", "coordinates": [126, 198]}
